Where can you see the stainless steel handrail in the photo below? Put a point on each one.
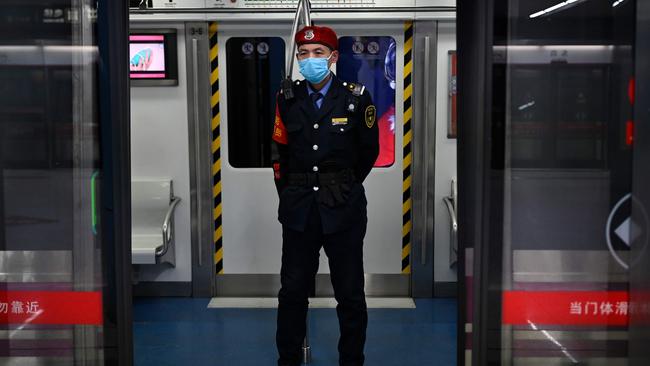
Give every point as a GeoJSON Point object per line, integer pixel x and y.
{"type": "Point", "coordinates": [167, 228]}
{"type": "Point", "coordinates": [294, 30]}
{"type": "Point", "coordinates": [451, 202]}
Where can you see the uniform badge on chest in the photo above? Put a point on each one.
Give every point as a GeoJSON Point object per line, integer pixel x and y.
{"type": "Point", "coordinates": [339, 121]}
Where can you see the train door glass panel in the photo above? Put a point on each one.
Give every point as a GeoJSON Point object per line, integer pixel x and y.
{"type": "Point", "coordinates": [559, 177]}
{"type": "Point", "coordinates": [254, 65]}
{"type": "Point", "coordinates": [370, 61]}
{"type": "Point", "coordinates": [51, 253]}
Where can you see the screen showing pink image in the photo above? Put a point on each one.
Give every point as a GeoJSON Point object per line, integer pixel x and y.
{"type": "Point", "coordinates": [147, 56]}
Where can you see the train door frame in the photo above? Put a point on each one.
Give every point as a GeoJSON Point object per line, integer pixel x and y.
{"type": "Point", "coordinates": [420, 282]}
{"type": "Point", "coordinates": [199, 96]}
{"type": "Point", "coordinates": [231, 284]}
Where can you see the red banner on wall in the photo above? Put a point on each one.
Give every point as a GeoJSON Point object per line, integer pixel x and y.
{"type": "Point", "coordinates": [566, 308]}
{"type": "Point", "coordinates": [51, 307]}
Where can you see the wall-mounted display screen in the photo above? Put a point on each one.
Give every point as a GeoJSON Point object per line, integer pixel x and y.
{"type": "Point", "coordinates": [153, 57]}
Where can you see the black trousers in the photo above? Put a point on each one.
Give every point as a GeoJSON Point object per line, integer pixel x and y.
{"type": "Point", "coordinates": [300, 253]}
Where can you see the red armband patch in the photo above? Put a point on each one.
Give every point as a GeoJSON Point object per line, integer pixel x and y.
{"type": "Point", "coordinates": [276, 171]}
{"type": "Point", "coordinates": [279, 131]}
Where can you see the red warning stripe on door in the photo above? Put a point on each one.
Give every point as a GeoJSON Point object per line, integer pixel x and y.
{"type": "Point", "coordinates": [51, 307]}
{"type": "Point", "coordinates": [609, 308]}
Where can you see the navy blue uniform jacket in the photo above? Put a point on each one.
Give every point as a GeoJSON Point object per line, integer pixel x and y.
{"type": "Point", "coordinates": [315, 141]}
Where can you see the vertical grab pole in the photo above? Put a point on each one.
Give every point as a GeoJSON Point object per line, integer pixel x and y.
{"type": "Point", "coordinates": [306, 348]}
{"type": "Point", "coordinates": [307, 12]}
{"type": "Point", "coordinates": [302, 13]}
{"type": "Point", "coordinates": [294, 30]}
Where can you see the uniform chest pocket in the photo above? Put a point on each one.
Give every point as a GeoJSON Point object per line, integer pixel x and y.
{"type": "Point", "coordinates": [342, 135]}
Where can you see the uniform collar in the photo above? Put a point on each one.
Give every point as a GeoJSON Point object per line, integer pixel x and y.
{"type": "Point", "coordinates": [325, 88]}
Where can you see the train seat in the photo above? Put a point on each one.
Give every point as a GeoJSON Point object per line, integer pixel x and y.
{"type": "Point", "coordinates": [152, 221]}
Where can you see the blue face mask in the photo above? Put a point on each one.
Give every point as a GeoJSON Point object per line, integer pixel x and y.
{"type": "Point", "coordinates": [314, 69]}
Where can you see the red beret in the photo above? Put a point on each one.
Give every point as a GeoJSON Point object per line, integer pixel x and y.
{"type": "Point", "coordinates": [322, 35]}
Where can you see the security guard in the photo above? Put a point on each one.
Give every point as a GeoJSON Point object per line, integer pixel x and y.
{"type": "Point", "coordinates": [327, 143]}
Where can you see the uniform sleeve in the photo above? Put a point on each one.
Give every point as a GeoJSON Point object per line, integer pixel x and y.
{"type": "Point", "coordinates": [279, 150]}
{"type": "Point", "coordinates": [368, 137]}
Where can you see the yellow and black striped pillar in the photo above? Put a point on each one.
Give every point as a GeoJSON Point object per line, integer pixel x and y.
{"type": "Point", "coordinates": [408, 154]}
{"type": "Point", "coordinates": [216, 149]}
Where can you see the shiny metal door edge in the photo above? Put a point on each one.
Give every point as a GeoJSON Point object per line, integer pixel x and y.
{"type": "Point", "coordinates": [197, 138]}
{"type": "Point", "coordinates": [268, 285]}
{"type": "Point", "coordinates": [424, 110]}
{"type": "Point", "coordinates": [196, 35]}
{"type": "Point", "coordinates": [451, 202]}
{"type": "Point", "coordinates": [425, 145]}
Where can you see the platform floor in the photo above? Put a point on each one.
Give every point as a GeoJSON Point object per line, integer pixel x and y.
{"type": "Point", "coordinates": [183, 331]}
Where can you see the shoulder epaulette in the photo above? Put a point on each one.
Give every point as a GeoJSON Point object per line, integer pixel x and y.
{"type": "Point", "coordinates": [356, 89]}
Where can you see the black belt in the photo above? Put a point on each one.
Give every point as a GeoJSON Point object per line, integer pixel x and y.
{"type": "Point", "coordinates": [345, 176]}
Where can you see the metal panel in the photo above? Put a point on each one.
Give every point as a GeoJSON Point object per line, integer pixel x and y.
{"type": "Point", "coordinates": [474, 40]}
{"type": "Point", "coordinates": [424, 131]}
{"type": "Point", "coordinates": [198, 107]}
{"type": "Point", "coordinates": [114, 108]}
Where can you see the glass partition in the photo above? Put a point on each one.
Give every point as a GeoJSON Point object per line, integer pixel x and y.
{"type": "Point", "coordinates": [560, 181]}
{"type": "Point", "coordinates": [51, 274]}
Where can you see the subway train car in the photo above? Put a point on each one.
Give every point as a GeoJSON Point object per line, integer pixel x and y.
{"type": "Point", "coordinates": [507, 208]}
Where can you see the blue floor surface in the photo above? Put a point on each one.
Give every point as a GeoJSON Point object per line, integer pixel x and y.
{"type": "Point", "coordinates": [183, 331]}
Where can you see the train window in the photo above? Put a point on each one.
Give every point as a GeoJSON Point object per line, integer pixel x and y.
{"type": "Point", "coordinates": [253, 82]}
{"type": "Point", "coordinates": [371, 62]}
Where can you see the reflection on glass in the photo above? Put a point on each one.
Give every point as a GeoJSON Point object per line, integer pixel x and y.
{"type": "Point", "coordinates": [371, 62]}
{"type": "Point", "coordinates": [50, 258]}
{"type": "Point", "coordinates": [561, 168]}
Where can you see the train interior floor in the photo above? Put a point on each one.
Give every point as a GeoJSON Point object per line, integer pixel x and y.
{"type": "Point", "coordinates": [184, 331]}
